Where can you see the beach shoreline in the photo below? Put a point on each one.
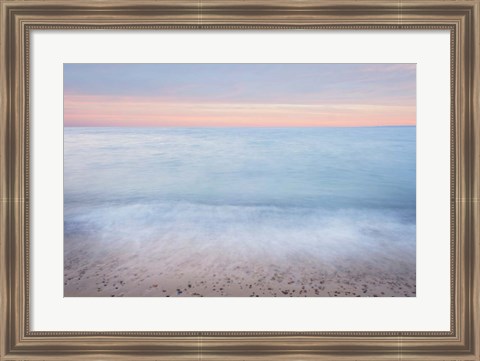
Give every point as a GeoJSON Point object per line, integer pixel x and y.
{"type": "Point", "coordinates": [134, 275]}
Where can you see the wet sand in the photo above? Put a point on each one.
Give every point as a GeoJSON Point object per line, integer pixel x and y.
{"type": "Point", "coordinates": [105, 270]}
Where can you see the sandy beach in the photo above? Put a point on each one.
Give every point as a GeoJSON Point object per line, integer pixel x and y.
{"type": "Point", "coordinates": [148, 271]}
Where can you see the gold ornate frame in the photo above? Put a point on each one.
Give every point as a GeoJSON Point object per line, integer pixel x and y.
{"type": "Point", "coordinates": [18, 18]}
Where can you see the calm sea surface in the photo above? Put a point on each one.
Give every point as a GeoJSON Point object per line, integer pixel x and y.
{"type": "Point", "coordinates": [285, 189]}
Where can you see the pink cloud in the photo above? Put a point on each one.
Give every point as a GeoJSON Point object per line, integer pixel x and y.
{"type": "Point", "coordinates": [85, 110]}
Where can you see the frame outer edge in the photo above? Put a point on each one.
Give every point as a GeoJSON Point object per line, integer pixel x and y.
{"type": "Point", "coordinates": [11, 160]}
{"type": "Point", "coordinates": [468, 170]}
{"type": "Point", "coordinates": [475, 286]}
{"type": "Point", "coordinates": [4, 184]}
{"type": "Point", "coordinates": [475, 201]}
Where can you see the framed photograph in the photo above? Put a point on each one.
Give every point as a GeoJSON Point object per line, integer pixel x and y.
{"type": "Point", "coordinates": [246, 180]}
{"type": "Point", "coordinates": [165, 195]}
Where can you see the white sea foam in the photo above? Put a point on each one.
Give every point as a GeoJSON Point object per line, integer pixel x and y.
{"type": "Point", "coordinates": [245, 232]}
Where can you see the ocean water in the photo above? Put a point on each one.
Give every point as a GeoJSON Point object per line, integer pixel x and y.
{"type": "Point", "coordinates": [324, 193]}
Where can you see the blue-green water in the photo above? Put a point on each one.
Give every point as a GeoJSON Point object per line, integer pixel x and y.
{"type": "Point", "coordinates": [284, 167]}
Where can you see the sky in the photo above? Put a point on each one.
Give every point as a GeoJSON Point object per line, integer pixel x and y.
{"type": "Point", "coordinates": [237, 95]}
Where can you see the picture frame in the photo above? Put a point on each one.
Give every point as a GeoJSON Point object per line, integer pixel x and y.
{"type": "Point", "coordinates": [19, 18]}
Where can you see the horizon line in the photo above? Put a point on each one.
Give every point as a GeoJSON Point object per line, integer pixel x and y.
{"type": "Point", "coordinates": [249, 126]}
